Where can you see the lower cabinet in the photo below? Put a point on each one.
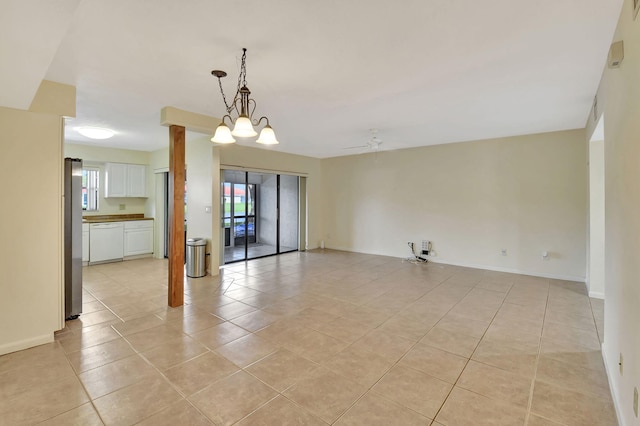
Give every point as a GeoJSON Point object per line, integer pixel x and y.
{"type": "Point", "coordinates": [138, 237]}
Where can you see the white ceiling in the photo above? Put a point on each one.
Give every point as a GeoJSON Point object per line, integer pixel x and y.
{"type": "Point", "coordinates": [423, 72]}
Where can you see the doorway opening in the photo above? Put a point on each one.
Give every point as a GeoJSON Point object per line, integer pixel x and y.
{"type": "Point", "coordinates": [260, 214]}
{"type": "Point", "coordinates": [164, 217]}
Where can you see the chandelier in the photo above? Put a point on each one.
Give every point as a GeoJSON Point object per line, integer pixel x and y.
{"type": "Point", "coordinates": [243, 106]}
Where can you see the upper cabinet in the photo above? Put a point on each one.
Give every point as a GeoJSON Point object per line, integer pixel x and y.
{"type": "Point", "coordinates": [125, 180]}
{"type": "Point", "coordinates": [136, 180]}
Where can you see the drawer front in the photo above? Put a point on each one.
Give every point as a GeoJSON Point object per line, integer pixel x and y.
{"type": "Point", "coordinates": [138, 224]}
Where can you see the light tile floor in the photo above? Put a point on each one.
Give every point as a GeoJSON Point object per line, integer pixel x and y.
{"type": "Point", "coordinates": [322, 337]}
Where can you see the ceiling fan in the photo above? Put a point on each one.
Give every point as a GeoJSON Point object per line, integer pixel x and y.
{"type": "Point", "coordinates": [373, 144]}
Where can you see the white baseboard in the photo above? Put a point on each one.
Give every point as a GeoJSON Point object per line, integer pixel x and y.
{"type": "Point", "coordinates": [614, 395]}
{"type": "Point", "coordinates": [511, 270]}
{"type": "Point", "coordinates": [26, 343]}
{"type": "Point", "coordinates": [596, 294]}
{"type": "Point", "coordinates": [469, 265]}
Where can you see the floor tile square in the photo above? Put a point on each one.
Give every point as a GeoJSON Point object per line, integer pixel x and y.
{"type": "Point", "coordinates": [170, 354]}
{"type": "Point", "coordinates": [131, 404]}
{"type": "Point", "coordinates": [376, 411]}
{"type": "Point", "coordinates": [456, 343]}
{"type": "Point", "coordinates": [413, 389]}
{"type": "Point", "coordinates": [219, 335]}
{"type": "Point", "coordinates": [435, 362]}
{"type": "Point", "coordinates": [464, 408]}
{"type": "Point", "coordinates": [282, 369]}
{"type": "Point", "coordinates": [99, 355]}
{"type": "Point", "coordinates": [496, 384]}
{"type": "Point", "coordinates": [200, 372]}
{"type": "Point", "coordinates": [325, 394]}
{"type": "Point", "coordinates": [179, 413]}
{"type": "Point", "coordinates": [246, 350]}
{"type": "Point", "coordinates": [360, 366]}
{"type": "Point", "coordinates": [571, 408]}
{"type": "Point", "coordinates": [385, 344]}
{"type": "Point", "coordinates": [116, 375]}
{"type": "Point", "coordinates": [232, 398]}
{"type": "Point", "coordinates": [281, 411]}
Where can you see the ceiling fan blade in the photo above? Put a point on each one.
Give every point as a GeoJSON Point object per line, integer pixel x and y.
{"type": "Point", "coordinates": [355, 147]}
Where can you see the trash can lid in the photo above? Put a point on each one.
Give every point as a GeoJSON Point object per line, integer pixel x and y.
{"type": "Point", "coordinates": [196, 242]}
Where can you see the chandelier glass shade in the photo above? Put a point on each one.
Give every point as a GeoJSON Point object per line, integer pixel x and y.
{"type": "Point", "coordinates": [242, 107]}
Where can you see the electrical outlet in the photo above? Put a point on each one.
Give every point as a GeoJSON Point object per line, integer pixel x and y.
{"type": "Point", "coordinates": [635, 401]}
{"type": "Point", "coordinates": [122, 206]}
{"type": "Point", "coordinates": [621, 363]}
{"type": "Point", "coordinates": [503, 252]}
{"type": "Point", "coordinates": [426, 245]}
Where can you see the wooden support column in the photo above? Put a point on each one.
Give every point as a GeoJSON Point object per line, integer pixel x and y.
{"type": "Point", "coordinates": [176, 215]}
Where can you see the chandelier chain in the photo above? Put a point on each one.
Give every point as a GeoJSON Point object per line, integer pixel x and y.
{"type": "Point", "coordinates": [242, 81]}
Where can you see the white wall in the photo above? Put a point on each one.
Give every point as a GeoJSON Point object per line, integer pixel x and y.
{"type": "Point", "coordinates": [620, 93]}
{"type": "Point", "coordinates": [525, 194]}
{"type": "Point", "coordinates": [198, 160]}
{"type": "Point", "coordinates": [595, 282]}
{"type": "Point", "coordinates": [31, 229]}
{"type": "Point", "coordinates": [97, 157]}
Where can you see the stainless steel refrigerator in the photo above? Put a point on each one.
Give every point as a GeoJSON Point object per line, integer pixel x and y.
{"type": "Point", "coordinates": [72, 238]}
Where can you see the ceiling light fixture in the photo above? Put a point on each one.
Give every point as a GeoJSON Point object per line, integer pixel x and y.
{"type": "Point", "coordinates": [244, 107]}
{"type": "Point", "coordinates": [95, 132]}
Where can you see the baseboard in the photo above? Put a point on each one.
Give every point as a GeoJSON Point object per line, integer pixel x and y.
{"type": "Point", "coordinates": [511, 270]}
{"type": "Point", "coordinates": [26, 343]}
{"type": "Point", "coordinates": [612, 388]}
{"type": "Point", "coordinates": [596, 295]}
{"type": "Point", "coordinates": [475, 266]}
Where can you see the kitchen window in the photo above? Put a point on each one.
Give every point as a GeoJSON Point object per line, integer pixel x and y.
{"type": "Point", "coordinates": [90, 188]}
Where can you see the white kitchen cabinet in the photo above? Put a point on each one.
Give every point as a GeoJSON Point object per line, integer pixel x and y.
{"type": "Point", "coordinates": [85, 242]}
{"type": "Point", "coordinates": [136, 180]}
{"type": "Point", "coordinates": [138, 237]}
{"type": "Point", "coordinates": [125, 180]}
{"type": "Point", "coordinates": [115, 180]}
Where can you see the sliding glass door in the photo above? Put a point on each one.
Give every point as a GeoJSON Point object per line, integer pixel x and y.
{"type": "Point", "coordinates": [260, 214]}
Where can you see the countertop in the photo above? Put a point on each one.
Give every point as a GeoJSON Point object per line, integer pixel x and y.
{"type": "Point", "coordinates": [114, 218]}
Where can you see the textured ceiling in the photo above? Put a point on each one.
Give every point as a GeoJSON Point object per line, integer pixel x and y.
{"type": "Point", "coordinates": [421, 71]}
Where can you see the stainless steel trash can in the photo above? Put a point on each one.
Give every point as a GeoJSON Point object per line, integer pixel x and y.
{"type": "Point", "coordinates": [196, 248]}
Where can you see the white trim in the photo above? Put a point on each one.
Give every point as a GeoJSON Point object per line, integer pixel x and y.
{"type": "Point", "coordinates": [26, 344]}
{"type": "Point", "coordinates": [614, 395]}
{"type": "Point", "coordinates": [596, 295]}
{"type": "Point", "coordinates": [257, 170]}
{"type": "Point", "coordinates": [474, 266]}
{"type": "Point", "coordinates": [512, 271]}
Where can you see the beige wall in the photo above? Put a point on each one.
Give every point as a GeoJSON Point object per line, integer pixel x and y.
{"type": "Point", "coordinates": [525, 194]}
{"type": "Point", "coordinates": [31, 229]}
{"type": "Point", "coordinates": [621, 89]}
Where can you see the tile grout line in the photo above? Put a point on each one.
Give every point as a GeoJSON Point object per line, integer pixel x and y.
{"type": "Point", "coordinates": [476, 347]}
{"type": "Point", "coordinates": [535, 370]}
{"type": "Point", "coordinates": [397, 362]}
